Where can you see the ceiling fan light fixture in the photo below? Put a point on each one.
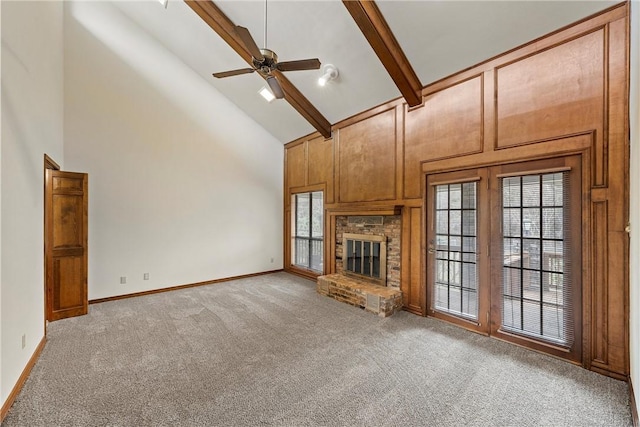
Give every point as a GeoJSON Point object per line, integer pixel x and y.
{"type": "Point", "coordinates": [266, 94]}
{"type": "Point", "coordinates": [329, 72]}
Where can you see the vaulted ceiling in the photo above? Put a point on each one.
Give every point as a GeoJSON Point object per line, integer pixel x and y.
{"type": "Point", "coordinates": [438, 38]}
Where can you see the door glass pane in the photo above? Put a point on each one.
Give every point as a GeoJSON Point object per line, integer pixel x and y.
{"type": "Point", "coordinates": [535, 300]}
{"type": "Point", "coordinates": [456, 282]}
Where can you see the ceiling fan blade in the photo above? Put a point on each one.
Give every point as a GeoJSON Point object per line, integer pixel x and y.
{"type": "Point", "coordinates": [274, 85]}
{"type": "Point", "coordinates": [303, 64]}
{"type": "Point", "coordinates": [249, 43]}
{"type": "Point", "coordinates": [224, 74]}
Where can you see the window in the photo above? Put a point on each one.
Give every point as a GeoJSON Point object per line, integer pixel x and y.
{"type": "Point", "coordinates": [308, 231]}
{"type": "Point", "coordinates": [503, 245]}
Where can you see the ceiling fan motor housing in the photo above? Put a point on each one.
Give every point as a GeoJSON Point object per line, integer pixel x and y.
{"type": "Point", "coordinates": [268, 64]}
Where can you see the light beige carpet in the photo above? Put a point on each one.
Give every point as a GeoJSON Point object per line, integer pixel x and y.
{"type": "Point", "coordinates": [269, 350]}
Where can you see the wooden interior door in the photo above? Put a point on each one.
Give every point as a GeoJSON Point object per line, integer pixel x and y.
{"type": "Point", "coordinates": [66, 203]}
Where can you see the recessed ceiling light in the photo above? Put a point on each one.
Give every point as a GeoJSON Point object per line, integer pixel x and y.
{"type": "Point", "coordinates": [266, 94]}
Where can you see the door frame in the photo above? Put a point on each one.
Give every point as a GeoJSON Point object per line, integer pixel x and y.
{"type": "Point", "coordinates": [584, 328]}
{"type": "Point", "coordinates": [49, 164]}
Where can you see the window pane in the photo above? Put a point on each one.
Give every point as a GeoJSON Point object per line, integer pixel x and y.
{"type": "Point", "coordinates": [317, 214]}
{"type": "Point", "coordinates": [455, 196]}
{"type": "Point", "coordinates": [442, 222]}
{"type": "Point", "coordinates": [552, 189]}
{"type": "Point", "coordinates": [511, 222]}
{"type": "Point", "coordinates": [455, 222]}
{"type": "Point", "coordinates": [531, 190]}
{"type": "Point", "coordinates": [442, 197]}
{"type": "Point", "coordinates": [552, 222]}
{"type": "Point", "coordinates": [302, 214]}
{"type": "Point", "coordinates": [469, 222]}
{"type": "Point", "coordinates": [308, 231]}
{"type": "Point", "coordinates": [511, 191]}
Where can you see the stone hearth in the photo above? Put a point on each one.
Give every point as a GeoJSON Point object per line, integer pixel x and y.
{"type": "Point", "coordinates": [381, 300]}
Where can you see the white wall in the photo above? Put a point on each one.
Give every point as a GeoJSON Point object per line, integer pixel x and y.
{"type": "Point", "coordinates": [182, 184]}
{"type": "Point", "coordinates": [32, 120]}
{"type": "Point", "coordinates": [634, 255]}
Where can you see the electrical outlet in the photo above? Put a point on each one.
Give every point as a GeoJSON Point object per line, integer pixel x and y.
{"type": "Point", "coordinates": [24, 340]}
{"type": "Point", "coordinates": [146, 276]}
{"type": "Point", "coordinates": [123, 280]}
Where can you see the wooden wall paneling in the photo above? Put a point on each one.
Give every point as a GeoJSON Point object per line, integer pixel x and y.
{"type": "Point", "coordinates": [552, 148]}
{"type": "Point", "coordinates": [411, 283]}
{"type": "Point", "coordinates": [618, 191]}
{"type": "Point", "coordinates": [288, 221]}
{"type": "Point", "coordinates": [449, 125]}
{"type": "Point", "coordinates": [320, 165]}
{"type": "Point", "coordinates": [400, 116]}
{"type": "Point", "coordinates": [559, 91]}
{"type": "Point", "coordinates": [617, 322]}
{"type": "Point", "coordinates": [599, 294]}
{"type": "Point", "coordinates": [367, 154]}
{"type": "Point", "coordinates": [488, 110]}
{"type": "Point", "coordinates": [405, 258]}
{"type": "Point", "coordinates": [297, 165]}
{"type": "Point", "coordinates": [417, 291]}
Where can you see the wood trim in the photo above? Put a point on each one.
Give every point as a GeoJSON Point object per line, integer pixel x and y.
{"type": "Point", "coordinates": [49, 163]}
{"type": "Point", "coordinates": [175, 288]}
{"type": "Point", "coordinates": [21, 380]}
{"type": "Point", "coordinates": [225, 28]}
{"type": "Point", "coordinates": [632, 403]}
{"type": "Point", "coordinates": [377, 32]}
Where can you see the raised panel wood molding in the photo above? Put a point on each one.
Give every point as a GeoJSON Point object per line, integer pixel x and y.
{"type": "Point", "coordinates": [448, 125]}
{"type": "Point", "coordinates": [558, 91]}
{"type": "Point", "coordinates": [599, 297]}
{"type": "Point", "coordinates": [296, 162]}
{"type": "Point", "coordinates": [367, 159]}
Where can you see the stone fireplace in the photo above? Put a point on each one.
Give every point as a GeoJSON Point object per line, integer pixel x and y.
{"type": "Point", "coordinates": [387, 226]}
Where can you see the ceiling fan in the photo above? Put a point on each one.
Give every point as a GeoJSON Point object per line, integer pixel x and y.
{"type": "Point", "coordinates": [265, 61]}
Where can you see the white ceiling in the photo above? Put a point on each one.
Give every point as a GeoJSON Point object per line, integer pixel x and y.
{"type": "Point", "coordinates": [438, 37]}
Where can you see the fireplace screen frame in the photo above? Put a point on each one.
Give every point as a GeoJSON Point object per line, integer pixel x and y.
{"type": "Point", "coordinates": [367, 258]}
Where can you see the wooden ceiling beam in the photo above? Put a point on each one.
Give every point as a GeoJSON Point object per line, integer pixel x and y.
{"type": "Point", "coordinates": [377, 32]}
{"type": "Point", "coordinates": [225, 28]}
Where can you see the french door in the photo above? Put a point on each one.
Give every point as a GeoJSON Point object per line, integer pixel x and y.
{"type": "Point", "coordinates": [504, 252]}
